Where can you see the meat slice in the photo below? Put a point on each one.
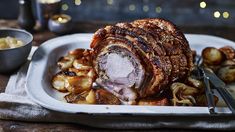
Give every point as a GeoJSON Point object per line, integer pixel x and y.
{"type": "Point", "coordinates": [120, 72]}
{"type": "Point", "coordinates": [140, 59]}
{"type": "Point", "coordinates": [123, 75]}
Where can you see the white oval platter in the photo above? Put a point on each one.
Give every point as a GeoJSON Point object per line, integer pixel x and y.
{"type": "Point", "coordinates": [43, 67]}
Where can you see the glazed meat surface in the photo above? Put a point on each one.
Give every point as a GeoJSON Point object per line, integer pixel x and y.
{"type": "Point", "coordinates": [141, 58]}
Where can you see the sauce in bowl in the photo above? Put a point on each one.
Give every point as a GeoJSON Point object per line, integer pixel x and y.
{"type": "Point", "coordinates": [10, 42]}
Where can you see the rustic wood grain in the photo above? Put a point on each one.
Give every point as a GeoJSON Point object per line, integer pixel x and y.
{"type": "Point", "coordinates": [82, 27]}
{"type": "Point", "coordinates": [19, 126]}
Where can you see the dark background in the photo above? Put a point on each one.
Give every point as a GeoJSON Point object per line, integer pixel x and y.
{"type": "Point", "coordinates": [181, 12]}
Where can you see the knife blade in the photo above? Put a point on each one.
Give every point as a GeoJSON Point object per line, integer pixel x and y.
{"type": "Point", "coordinates": [221, 87]}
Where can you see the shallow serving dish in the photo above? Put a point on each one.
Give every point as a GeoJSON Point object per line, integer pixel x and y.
{"type": "Point", "coordinates": [43, 67]}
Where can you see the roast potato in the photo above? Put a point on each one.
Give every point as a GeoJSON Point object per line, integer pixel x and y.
{"type": "Point", "coordinates": [66, 62]}
{"type": "Point", "coordinates": [99, 96]}
{"type": "Point", "coordinates": [212, 56]}
{"type": "Point", "coordinates": [78, 84]}
{"type": "Point", "coordinates": [58, 82]}
{"type": "Point", "coordinates": [228, 51]}
{"type": "Point", "coordinates": [227, 74]}
{"type": "Point", "coordinates": [105, 97]}
{"type": "Point", "coordinates": [91, 97]}
{"type": "Point", "coordinates": [81, 64]}
{"type": "Point", "coordinates": [77, 98]}
{"type": "Point", "coordinates": [79, 58]}
{"type": "Point", "coordinates": [86, 97]}
{"type": "Point", "coordinates": [85, 72]}
{"type": "Point", "coordinates": [79, 72]}
{"type": "Point", "coordinates": [79, 53]}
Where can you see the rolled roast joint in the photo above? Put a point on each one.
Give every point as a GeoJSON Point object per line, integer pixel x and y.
{"type": "Point", "coordinates": [120, 73]}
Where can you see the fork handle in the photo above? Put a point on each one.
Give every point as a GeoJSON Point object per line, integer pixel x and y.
{"type": "Point", "coordinates": [209, 96]}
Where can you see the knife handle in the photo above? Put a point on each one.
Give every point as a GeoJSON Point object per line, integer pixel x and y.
{"type": "Point", "coordinates": [229, 100]}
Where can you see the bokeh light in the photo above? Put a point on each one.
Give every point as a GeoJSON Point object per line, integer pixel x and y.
{"type": "Point", "coordinates": [78, 2]}
{"type": "Point", "coordinates": [65, 7]}
{"type": "Point", "coordinates": [216, 14]}
{"type": "Point", "coordinates": [226, 15]}
{"type": "Point", "coordinates": [158, 9]}
{"type": "Point", "coordinates": [203, 4]}
{"type": "Point", "coordinates": [131, 7]}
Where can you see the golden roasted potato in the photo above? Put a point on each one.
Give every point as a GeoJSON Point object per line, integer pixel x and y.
{"type": "Point", "coordinates": [79, 53]}
{"type": "Point", "coordinates": [79, 72]}
{"type": "Point", "coordinates": [86, 72]}
{"type": "Point", "coordinates": [77, 98]}
{"type": "Point", "coordinates": [66, 62]}
{"type": "Point", "coordinates": [212, 56]}
{"type": "Point", "coordinates": [86, 97]}
{"type": "Point", "coordinates": [99, 96]}
{"type": "Point", "coordinates": [76, 77]}
{"type": "Point", "coordinates": [105, 97]}
{"type": "Point", "coordinates": [78, 84]}
{"type": "Point", "coordinates": [82, 64]}
{"type": "Point", "coordinates": [58, 82]}
{"type": "Point", "coordinates": [91, 97]}
{"type": "Point", "coordinates": [228, 51]}
{"type": "Point", "coordinates": [227, 74]}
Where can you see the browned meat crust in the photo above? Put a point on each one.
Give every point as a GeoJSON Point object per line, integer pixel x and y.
{"type": "Point", "coordinates": [162, 49]}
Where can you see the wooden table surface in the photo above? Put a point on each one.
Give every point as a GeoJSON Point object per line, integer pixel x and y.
{"type": "Point", "coordinates": [83, 27]}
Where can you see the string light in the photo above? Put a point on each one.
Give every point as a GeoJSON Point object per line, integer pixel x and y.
{"type": "Point", "coordinates": [226, 15]}
{"type": "Point", "coordinates": [110, 2]}
{"type": "Point", "coordinates": [78, 2]}
{"type": "Point", "coordinates": [65, 7]}
{"type": "Point", "coordinates": [145, 8]}
{"type": "Point", "coordinates": [158, 9]}
{"type": "Point", "coordinates": [203, 4]}
{"type": "Point", "coordinates": [216, 14]}
{"type": "Point", "coordinates": [131, 7]}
